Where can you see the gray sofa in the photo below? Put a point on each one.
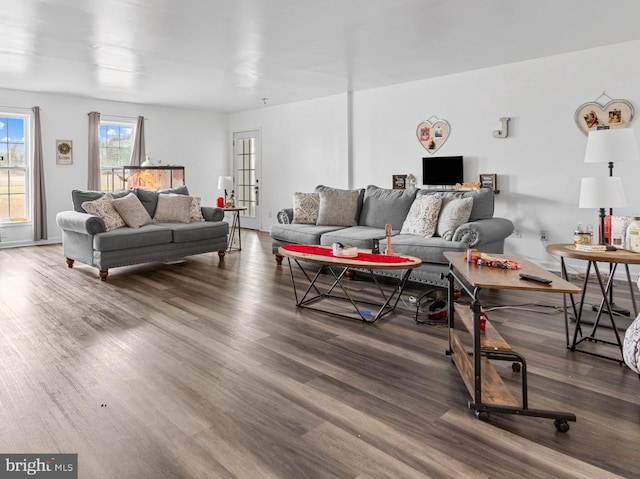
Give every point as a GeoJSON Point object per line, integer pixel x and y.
{"type": "Point", "coordinates": [379, 206]}
{"type": "Point", "coordinates": [85, 237]}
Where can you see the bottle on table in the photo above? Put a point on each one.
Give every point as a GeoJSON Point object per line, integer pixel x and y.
{"type": "Point", "coordinates": [633, 235]}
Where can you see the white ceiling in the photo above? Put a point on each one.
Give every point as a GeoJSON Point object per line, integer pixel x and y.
{"type": "Point", "coordinates": [225, 55]}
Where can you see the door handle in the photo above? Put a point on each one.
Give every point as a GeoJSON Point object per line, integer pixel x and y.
{"type": "Point", "coordinates": [257, 191]}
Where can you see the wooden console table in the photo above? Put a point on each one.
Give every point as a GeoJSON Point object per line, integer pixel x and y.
{"type": "Point", "coordinates": [488, 391]}
{"type": "Point", "coordinates": [614, 258]}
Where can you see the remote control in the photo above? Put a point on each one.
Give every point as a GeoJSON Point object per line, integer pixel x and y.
{"type": "Point", "coordinates": [537, 279]}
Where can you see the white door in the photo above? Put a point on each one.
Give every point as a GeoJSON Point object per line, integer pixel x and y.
{"type": "Point", "coordinates": [246, 180]}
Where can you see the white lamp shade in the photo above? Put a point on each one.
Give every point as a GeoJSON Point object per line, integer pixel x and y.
{"type": "Point", "coordinates": [602, 192]}
{"type": "Point", "coordinates": [618, 144]}
{"type": "Point", "coordinates": [225, 183]}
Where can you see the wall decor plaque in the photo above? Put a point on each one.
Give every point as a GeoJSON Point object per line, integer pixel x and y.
{"type": "Point", "coordinates": [433, 133]}
{"type": "Point", "coordinates": [594, 115]}
{"type": "Point", "coordinates": [64, 152]}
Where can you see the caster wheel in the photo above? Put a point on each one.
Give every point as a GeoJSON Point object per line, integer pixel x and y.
{"type": "Point", "coordinates": [561, 425]}
{"type": "Point", "coordinates": [482, 415]}
{"type": "Point", "coordinates": [515, 367]}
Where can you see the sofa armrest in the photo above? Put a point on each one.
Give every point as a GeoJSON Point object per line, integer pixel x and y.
{"type": "Point", "coordinates": [285, 216]}
{"type": "Point", "coordinates": [479, 232]}
{"type": "Point", "coordinates": [80, 222]}
{"type": "Point", "coordinates": [211, 213]}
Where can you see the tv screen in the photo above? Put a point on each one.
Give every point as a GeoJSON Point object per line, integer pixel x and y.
{"type": "Point", "coordinates": [442, 171]}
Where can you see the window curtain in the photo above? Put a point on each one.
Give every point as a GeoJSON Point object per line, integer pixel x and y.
{"type": "Point", "coordinates": [94, 151]}
{"type": "Point", "coordinates": [39, 197]}
{"type": "Point", "coordinates": [138, 153]}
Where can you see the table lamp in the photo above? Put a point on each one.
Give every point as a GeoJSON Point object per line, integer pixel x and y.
{"type": "Point", "coordinates": [225, 183]}
{"type": "Point", "coordinates": [611, 145]}
{"type": "Point", "coordinates": [602, 192]}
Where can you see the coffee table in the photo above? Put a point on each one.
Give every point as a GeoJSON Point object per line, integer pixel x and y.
{"type": "Point", "coordinates": [488, 392]}
{"type": "Point", "coordinates": [336, 267]}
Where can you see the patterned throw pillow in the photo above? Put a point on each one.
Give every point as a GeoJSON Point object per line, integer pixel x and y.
{"type": "Point", "coordinates": [306, 207]}
{"type": "Point", "coordinates": [173, 208]}
{"type": "Point", "coordinates": [453, 213]}
{"type": "Point", "coordinates": [103, 208]}
{"type": "Point", "coordinates": [631, 346]}
{"type": "Point", "coordinates": [132, 211]}
{"type": "Point", "coordinates": [195, 213]}
{"type": "Point", "coordinates": [422, 218]}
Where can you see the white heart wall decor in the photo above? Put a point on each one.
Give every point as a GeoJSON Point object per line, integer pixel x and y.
{"type": "Point", "coordinates": [594, 116]}
{"type": "Point", "coordinates": [433, 133]}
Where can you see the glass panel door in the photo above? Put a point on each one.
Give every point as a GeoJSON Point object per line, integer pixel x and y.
{"type": "Point", "coordinates": [246, 180]}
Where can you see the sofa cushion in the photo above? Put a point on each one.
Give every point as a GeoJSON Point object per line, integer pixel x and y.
{"type": "Point", "coordinates": [149, 198]}
{"type": "Point", "coordinates": [173, 208]}
{"type": "Point", "coordinates": [360, 191]}
{"type": "Point", "coordinates": [127, 238]}
{"type": "Point", "coordinates": [103, 208]}
{"type": "Point", "coordinates": [132, 211]}
{"type": "Point", "coordinates": [386, 206]}
{"type": "Point", "coordinates": [201, 230]}
{"type": "Point", "coordinates": [338, 208]}
{"type": "Point", "coordinates": [429, 250]}
{"type": "Point", "coordinates": [453, 213]}
{"type": "Point", "coordinates": [360, 236]}
{"type": "Point", "coordinates": [300, 234]}
{"type": "Point", "coordinates": [306, 207]}
{"type": "Point", "coordinates": [422, 218]}
{"type": "Point", "coordinates": [80, 196]}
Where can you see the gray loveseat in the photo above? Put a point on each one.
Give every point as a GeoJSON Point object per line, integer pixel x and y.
{"type": "Point", "coordinates": [379, 206]}
{"type": "Point", "coordinates": [85, 237]}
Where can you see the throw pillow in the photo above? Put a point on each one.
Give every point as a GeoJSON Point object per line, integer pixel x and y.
{"type": "Point", "coordinates": [173, 208]}
{"type": "Point", "coordinates": [103, 208]}
{"type": "Point", "coordinates": [306, 207]}
{"type": "Point", "coordinates": [81, 196]}
{"type": "Point", "coordinates": [338, 208]}
{"type": "Point", "coordinates": [422, 218]}
{"type": "Point", "coordinates": [131, 210]}
{"type": "Point", "coordinates": [453, 213]}
{"type": "Point", "coordinates": [195, 213]}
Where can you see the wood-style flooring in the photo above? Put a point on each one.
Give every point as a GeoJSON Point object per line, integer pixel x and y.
{"type": "Point", "coordinates": [206, 369]}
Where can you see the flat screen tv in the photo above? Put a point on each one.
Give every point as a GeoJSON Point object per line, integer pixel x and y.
{"type": "Point", "coordinates": [442, 171]}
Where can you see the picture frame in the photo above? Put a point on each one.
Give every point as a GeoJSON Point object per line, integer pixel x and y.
{"type": "Point", "coordinates": [489, 180]}
{"type": "Point", "coordinates": [596, 116]}
{"type": "Point", "coordinates": [64, 152]}
{"type": "Point", "coordinates": [399, 182]}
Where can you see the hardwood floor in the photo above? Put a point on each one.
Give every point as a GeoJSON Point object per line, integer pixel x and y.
{"type": "Point", "coordinates": [206, 369]}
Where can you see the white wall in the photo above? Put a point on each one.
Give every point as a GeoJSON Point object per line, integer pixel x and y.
{"type": "Point", "coordinates": [303, 144]}
{"type": "Point", "coordinates": [194, 139]}
{"type": "Point", "coordinates": [539, 165]}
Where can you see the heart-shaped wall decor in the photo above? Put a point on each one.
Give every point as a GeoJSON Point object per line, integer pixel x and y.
{"type": "Point", "coordinates": [432, 134]}
{"type": "Point", "coordinates": [594, 116]}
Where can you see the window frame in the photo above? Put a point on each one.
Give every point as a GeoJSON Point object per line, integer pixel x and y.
{"type": "Point", "coordinates": [110, 170]}
{"type": "Point", "coordinates": [27, 119]}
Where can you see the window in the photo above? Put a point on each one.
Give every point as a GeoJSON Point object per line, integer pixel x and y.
{"type": "Point", "coordinates": [14, 168]}
{"type": "Point", "coordinates": [116, 143]}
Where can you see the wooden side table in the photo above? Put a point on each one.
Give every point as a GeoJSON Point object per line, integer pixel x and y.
{"type": "Point", "coordinates": [235, 227]}
{"type": "Point", "coordinates": [614, 258]}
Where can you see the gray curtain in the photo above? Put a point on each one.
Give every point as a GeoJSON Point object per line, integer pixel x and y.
{"type": "Point", "coordinates": [94, 151]}
{"type": "Point", "coordinates": [138, 153]}
{"type": "Point", "coordinates": [39, 196]}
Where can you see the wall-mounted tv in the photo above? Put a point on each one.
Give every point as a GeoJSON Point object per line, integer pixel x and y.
{"type": "Point", "coordinates": [442, 171]}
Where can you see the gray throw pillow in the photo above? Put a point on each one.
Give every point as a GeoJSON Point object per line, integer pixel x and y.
{"type": "Point", "coordinates": [338, 208]}
{"type": "Point", "coordinates": [81, 196]}
{"type": "Point", "coordinates": [386, 206]}
{"type": "Point", "coordinates": [131, 210]}
{"type": "Point", "coordinates": [453, 213]}
{"type": "Point", "coordinates": [483, 204]}
{"type": "Point", "coordinates": [306, 207]}
{"type": "Point", "coordinates": [173, 208]}
{"type": "Point", "coordinates": [360, 191]}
